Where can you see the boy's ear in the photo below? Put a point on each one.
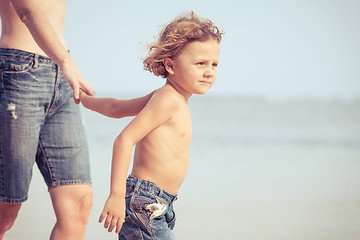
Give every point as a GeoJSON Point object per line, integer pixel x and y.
{"type": "Point", "coordinates": [169, 65]}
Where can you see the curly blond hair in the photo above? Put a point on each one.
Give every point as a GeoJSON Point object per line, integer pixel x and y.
{"type": "Point", "coordinates": [176, 36]}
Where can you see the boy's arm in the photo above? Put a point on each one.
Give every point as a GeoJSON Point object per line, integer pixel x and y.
{"type": "Point", "coordinates": [158, 111]}
{"type": "Point", "coordinates": [45, 36]}
{"type": "Point", "coordinates": [114, 108]}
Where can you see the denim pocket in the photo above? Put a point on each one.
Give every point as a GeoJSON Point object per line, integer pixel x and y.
{"type": "Point", "coordinates": [130, 230]}
{"type": "Point", "coordinates": [12, 67]}
{"type": "Point", "coordinates": [170, 218]}
{"type": "Point", "coordinates": [138, 207]}
{"type": "Point", "coordinates": [16, 75]}
{"type": "Point", "coordinates": [162, 226]}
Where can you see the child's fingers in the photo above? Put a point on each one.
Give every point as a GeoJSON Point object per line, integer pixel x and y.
{"type": "Point", "coordinates": [102, 217]}
{"type": "Point", "coordinates": [107, 221]}
{"type": "Point", "coordinates": [113, 224]}
{"type": "Point", "coordinates": [119, 225]}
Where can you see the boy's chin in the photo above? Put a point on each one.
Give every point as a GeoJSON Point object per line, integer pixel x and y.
{"type": "Point", "coordinates": [202, 92]}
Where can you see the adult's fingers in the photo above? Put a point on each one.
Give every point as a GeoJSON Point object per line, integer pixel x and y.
{"type": "Point", "coordinates": [87, 88]}
{"type": "Point", "coordinates": [90, 91]}
{"type": "Point", "coordinates": [76, 94]}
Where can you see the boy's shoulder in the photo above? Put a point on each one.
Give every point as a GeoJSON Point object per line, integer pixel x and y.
{"type": "Point", "coordinates": [168, 95]}
{"type": "Point", "coordinates": [166, 99]}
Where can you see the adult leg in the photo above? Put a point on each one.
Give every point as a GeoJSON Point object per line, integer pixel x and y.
{"type": "Point", "coordinates": [72, 205]}
{"type": "Point", "coordinates": [63, 160]}
{"type": "Point", "coordinates": [20, 120]}
{"type": "Point", "coordinates": [8, 214]}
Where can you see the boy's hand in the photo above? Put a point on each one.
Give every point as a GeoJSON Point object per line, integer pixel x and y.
{"type": "Point", "coordinates": [114, 212]}
{"type": "Point", "coordinates": [85, 99]}
{"type": "Point", "coordinates": [82, 94]}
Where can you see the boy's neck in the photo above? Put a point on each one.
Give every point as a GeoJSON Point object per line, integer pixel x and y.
{"type": "Point", "coordinates": [179, 89]}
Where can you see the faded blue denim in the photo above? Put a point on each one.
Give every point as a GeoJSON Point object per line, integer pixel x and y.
{"type": "Point", "coordinates": [141, 222]}
{"type": "Point", "coordinates": [39, 122]}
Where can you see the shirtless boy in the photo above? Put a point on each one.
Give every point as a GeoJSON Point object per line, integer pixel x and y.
{"type": "Point", "coordinates": [140, 205]}
{"type": "Point", "coordinates": [39, 118]}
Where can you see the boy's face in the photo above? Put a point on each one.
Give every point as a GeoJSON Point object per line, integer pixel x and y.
{"type": "Point", "coordinates": [194, 69]}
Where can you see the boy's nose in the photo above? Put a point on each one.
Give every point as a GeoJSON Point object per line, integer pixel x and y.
{"type": "Point", "coordinates": [210, 73]}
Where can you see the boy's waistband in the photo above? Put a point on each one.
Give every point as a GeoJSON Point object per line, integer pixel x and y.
{"type": "Point", "coordinates": [20, 55]}
{"type": "Point", "coordinates": [134, 184]}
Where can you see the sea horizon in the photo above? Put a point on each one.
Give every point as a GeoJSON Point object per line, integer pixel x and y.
{"type": "Point", "coordinates": [259, 169]}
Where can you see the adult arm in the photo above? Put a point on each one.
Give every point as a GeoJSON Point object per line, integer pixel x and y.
{"type": "Point", "coordinates": [45, 36]}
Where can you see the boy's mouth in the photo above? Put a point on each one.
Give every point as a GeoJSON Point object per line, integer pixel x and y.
{"type": "Point", "coordinates": [205, 82]}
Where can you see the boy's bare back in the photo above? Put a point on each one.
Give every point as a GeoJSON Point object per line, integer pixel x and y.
{"type": "Point", "coordinates": [162, 156]}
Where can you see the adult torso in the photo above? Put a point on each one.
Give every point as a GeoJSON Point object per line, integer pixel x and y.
{"type": "Point", "coordinates": [14, 33]}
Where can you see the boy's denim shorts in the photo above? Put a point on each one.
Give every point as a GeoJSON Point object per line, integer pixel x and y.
{"type": "Point", "coordinates": [39, 122]}
{"type": "Point", "coordinates": [149, 212]}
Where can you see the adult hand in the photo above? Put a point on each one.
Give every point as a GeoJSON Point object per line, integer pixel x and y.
{"type": "Point", "coordinates": [113, 213]}
{"type": "Point", "coordinates": [76, 80]}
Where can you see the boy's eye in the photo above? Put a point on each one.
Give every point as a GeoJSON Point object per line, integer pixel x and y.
{"type": "Point", "coordinates": [200, 63]}
{"type": "Point", "coordinates": [215, 64]}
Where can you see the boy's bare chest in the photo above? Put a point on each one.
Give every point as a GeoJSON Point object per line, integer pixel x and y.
{"type": "Point", "coordinates": [177, 130]}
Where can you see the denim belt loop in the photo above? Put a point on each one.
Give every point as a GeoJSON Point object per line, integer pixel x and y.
{"type": "Point", "coordinates": [136, 189]}
{"type": "Point", "coordinates": [36, 61]}
{"type": "Point", "coordinates": [174, 199]}
{"type": "Point", "coordinates": [161, 193]}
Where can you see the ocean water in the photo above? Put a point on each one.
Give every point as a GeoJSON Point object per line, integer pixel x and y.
{"type": "Point", "coordinates": [259, 170]}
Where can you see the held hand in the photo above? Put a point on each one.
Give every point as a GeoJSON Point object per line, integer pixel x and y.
{"type": "Point", "coordinates": [82, 95]}
{"type": "Point", "coordinates": [76, 80]}
{"type": "Point", "coordinates": [84, 99]}
{"type": "Point", "coordinates": [114, 212]}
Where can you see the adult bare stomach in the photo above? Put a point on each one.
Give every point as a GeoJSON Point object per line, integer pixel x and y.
{"type": "Point", "coordinates": [14, 33]}
{"type": "Point", "coordinates": [27, 44]}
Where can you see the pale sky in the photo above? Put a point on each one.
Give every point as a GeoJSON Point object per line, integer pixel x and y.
{"type": "Point", "coordinates": [271, 48]}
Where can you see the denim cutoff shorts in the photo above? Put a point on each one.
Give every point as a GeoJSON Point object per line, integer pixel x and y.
{"type": "Point", "coordinates": [39, 122]}
{"type": "Point", "coordinates": [149, 212]}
